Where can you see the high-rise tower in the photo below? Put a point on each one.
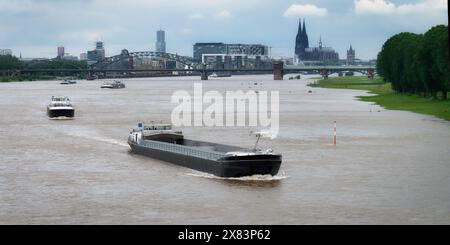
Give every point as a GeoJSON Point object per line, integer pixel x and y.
{"type": "Point", "coordinates": [61, 52]}
{"type": "Point", "coordinates": [160, 41]}
{"type": "Point", "coordinates": [100, 49]}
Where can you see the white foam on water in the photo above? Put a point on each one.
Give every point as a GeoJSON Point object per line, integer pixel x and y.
{"type": "Point", "coordinates": [278, 177]}
{"type": "Point", "coordinates": [61, 118]}
{"type": "Point", "coordinates": [110, 141]}
{"type": "Point", "coordinates": [98, 138]}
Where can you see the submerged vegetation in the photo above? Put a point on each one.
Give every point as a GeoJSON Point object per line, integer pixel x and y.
{"type": "Point", "coordinates": [413, 74]}
{"type": "Point", "coordinates": [387, 97]}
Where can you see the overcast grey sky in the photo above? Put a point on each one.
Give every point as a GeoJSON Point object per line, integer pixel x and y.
{"type": "Point", "coordinates": [36, 27]}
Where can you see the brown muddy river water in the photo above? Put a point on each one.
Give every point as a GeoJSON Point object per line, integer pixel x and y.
{"type": "Point", "coordinates": [389, 167]}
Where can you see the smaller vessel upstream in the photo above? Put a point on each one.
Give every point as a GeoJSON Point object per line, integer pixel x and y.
{"type": "Point", "coordinates": [60, 107]}
{"type": "Point", "coordinates": [113, 85]}
{"type": "Point", "coordinates": [67, 82]}
{"type": "Point", "coordinates": [161, 142]}
{"type": "Point", "coordinates": [220, 74]}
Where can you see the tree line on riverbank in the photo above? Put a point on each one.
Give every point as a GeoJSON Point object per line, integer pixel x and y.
{"type": "Point", "coordinates": [417, 63]}
{"type": "Point", "coordinates": [11, 63]}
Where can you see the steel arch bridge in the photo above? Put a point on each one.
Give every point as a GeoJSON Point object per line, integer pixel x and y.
{"type": "Point", "coordinates": [125, 60]}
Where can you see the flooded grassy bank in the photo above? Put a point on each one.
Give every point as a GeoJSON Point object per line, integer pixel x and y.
{"type": "Point", "coordinates": [386, 97]}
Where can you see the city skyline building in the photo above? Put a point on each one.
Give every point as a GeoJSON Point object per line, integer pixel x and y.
{"type": "Point", "coordinates": [228, 56]}
{"type": "Point", "coordinates": [6, 52]}
{"type": "Point", "coordinates": [160, 41]}
{"type": "Point", "coordinates": [208, 48]}
{"type": "Point", "coordinates": [201, 49]}
{"type": "Point", "coordinates": [83, 56]}
{"type": "Point", "coordinates": [97, 54]}
{"type": "Point", "coordinates": [100, 48]}
{"type": "Point", "coordinates": [70, 57]}
{"type": "Point", "coordinates": [60, 52]}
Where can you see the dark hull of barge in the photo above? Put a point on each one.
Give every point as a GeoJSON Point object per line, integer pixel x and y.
{"type": "Point", "coordinates": [227, 167]}
{"type": "Point", "coordinates": [68, 113]}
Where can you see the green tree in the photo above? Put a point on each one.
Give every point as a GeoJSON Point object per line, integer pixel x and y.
{"type": "Point", "coordinates": [8, 62]}
{"type": "Point", "coordinates": [56, 64]}
{"type": "Point", "coordinates": [389, 63]}
{"type": "Point", "coordinates": [434, 58]}
{"type": "Point", "coordinates": [417, 63]}
{"type": "Point", "coordinates": [410, 80]}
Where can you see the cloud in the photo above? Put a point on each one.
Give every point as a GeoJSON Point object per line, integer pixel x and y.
{"type": "Point", "coordinates": [196, 16]}
{"type": "Point", "coordinates": [85, 36]}
{"type": "Point", "coordinates": [90, 35]}
{"type": "Point", "coordinates": [374, 7]}
{"type": "Point", "coordinates": [423, 6]}
{"type": "Point", "coordinates": [224, 14]}
{"type": "Point", "coordinates": [27, 6]}
{"type": "Point", "coordinates": [10, 6]}
{"type": "Point", "coordinates": [184, 4]}
{"type": "Point", "coordinates": [383, 7]}
{"type": "Point", "coordinates": [299, 10]}
{"type": "Point", "coordinates": [37, 6]}
{"type": "Point", "coordinates": [186, 31]}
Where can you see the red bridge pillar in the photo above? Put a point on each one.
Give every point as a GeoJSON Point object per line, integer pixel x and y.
{"type": "Point", "coordinates": [370, 74]}
{"type": "Point", "coordinates": [204, 73]}
{"type": "Point", "coordinates": [278, 71]}
{"type": "Point", "coordinates": [324, 73]}
{"type": "Point", "coordinates": [130, 63]}
{"type": "Point", "coordinates": [89, 76]}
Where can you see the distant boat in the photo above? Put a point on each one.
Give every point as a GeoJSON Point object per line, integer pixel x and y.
{"type": "Point", "coordinates": [67, 82]}
{"type": "Point", "coordinates": [221, 74]}
{"type": "Point", "coordinates": [113, 85]}
{"type": "Point", "coordinates": [161, 142]}
{"type": "Point", "coordinates": [91, 78]}
{"type": "Point", "coordinates": [60, 107]}
{"type": "Point", "coordinates": [296, 77]}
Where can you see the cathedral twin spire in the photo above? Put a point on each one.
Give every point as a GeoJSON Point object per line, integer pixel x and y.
{"type": "Point", "coordinates": [304, 27]}
{"type": "Point", "coordinates": [302, 41]}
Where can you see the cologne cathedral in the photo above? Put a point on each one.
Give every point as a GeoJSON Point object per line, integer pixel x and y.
{"type": "Point", "coordinates": [305, 54]}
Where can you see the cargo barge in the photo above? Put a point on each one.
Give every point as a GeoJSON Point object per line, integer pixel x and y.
{"type": "Point", "coordinates": [162, 143]}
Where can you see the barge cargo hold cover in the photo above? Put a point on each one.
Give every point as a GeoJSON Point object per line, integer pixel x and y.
{"type": "Point", "coordinates": [161, 142]}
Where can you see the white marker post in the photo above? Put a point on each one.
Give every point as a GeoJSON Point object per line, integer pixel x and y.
{"type": "Point", "coordinates": [335, 134]}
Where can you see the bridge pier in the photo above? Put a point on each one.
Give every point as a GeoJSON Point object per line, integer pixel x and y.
{"type": "Point", "coordinates": [278, 71]}
{"type": "Point", "coordinates": [90, 75]}
{"type": "Point", "coordinates": [204, 75]}
{"type": "Point", "coordinates": [370, 74]}
{"type": "Point", "coordinates": [324, 73]}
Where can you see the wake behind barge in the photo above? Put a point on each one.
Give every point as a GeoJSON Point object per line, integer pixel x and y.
{"type": "Point", "coordinates": [160, 142]}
